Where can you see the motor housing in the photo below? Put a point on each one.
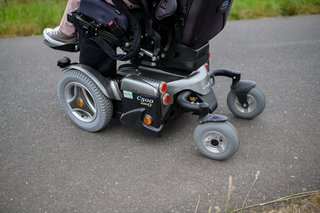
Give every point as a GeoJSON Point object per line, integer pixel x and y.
{"type": "Point", "coordinates": [142, 93]}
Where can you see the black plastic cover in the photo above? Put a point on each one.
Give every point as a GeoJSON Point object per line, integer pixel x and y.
{"type": "Point", "coordinates": [185, 58]}
{"type": "Point", "coordinates": [202, 20]}
{"type": "Point", "coordinates": [64, 62]}
{"type": "Point", "coordinates": [150, 106]}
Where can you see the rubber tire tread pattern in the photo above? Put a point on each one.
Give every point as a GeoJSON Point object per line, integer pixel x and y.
{"type": "Point", "coordinates": [228, 130]}
{"type": "Point", "coordinates": [104, 104]}
{"type": "Point", "coordinates": [260, 104]}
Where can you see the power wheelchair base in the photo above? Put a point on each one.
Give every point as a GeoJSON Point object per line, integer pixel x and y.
{"type": "Point", "coordinates": [147, 99]}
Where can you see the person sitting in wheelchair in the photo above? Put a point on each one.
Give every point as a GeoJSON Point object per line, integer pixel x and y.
{"type": "Point", "coordinates": [66, 36]}
{"type": "Point", "coordinates": [65, 33]}
{"type": "Point", "coordinates": [165, 44]}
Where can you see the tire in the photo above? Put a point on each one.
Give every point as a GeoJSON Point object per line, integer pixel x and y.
{"type": "Point", "coordinates": [83, 102]}
{"type": "Point", "coordinates": [216, 140]}
{"type": "Point", "coordinates": [256, 100]}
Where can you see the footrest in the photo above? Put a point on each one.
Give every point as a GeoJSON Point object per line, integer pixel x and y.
{"type": "Point", "coordinates": [74, 47]}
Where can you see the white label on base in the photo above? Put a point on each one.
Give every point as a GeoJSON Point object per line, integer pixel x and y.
{"type": "Point", "coordinates": [127, 94]}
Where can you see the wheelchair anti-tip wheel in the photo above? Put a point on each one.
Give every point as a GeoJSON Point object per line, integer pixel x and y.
{"type": "Point", "coordinates": [255, 99]}
{"type": "Point", "coordinates": [216, 140]}
{"type": "Point", "coordinates": [83, 102]}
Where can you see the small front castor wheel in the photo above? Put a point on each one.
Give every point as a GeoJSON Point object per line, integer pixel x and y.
{"type": "Point", "coordinates": [255, 99]}
{"type": "Point", "coordinates": [216, 140]}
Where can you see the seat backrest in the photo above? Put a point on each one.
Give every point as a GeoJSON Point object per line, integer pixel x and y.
{"type": "Point", "coordinates": [202, 20]}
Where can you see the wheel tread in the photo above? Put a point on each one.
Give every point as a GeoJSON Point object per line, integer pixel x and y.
{"type": "Point", "coordinates": [225, 128]}
{"type": "Point", "coordinates": [106, 107]}
{"type": "Point", "coordinates": [260, 104]}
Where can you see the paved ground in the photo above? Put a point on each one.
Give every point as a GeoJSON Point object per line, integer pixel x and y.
{"type": "Point", "coordinates": [49, 165]}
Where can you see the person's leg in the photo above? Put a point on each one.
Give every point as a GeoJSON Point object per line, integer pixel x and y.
{"type": "Point", "coordinates": [66, 27]}
{"type": "Point", "coordinates": [93, 56]}
{"type": "Point", "coordinates": [65, 32]}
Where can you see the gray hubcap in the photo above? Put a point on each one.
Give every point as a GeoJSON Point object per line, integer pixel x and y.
{"type": "Point", "coordinates": [252, 105]}
{"type": "Point", "coordinates": [215, 142]}
{"type": "Point", "coordinates": [80, 102]}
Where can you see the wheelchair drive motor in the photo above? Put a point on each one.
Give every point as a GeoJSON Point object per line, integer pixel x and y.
{"type": "Point", "coordinates": [166, 44]}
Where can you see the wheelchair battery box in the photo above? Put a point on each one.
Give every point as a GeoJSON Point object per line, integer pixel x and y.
{"type": "Point", "coordinates": [185, 58]}
{"type": "Point", "coordinates": [142, 93]}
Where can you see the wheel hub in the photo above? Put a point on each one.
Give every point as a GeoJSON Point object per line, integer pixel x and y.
{"type": "Point", "coordinates": [249, 108]}
{"type": "Point", "coordinates": [215, 142]}
{"type": "Point", "coordinates": [80, 102]}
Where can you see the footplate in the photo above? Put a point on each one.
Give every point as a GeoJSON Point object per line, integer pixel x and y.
{"type": "Point", "coordinates": [74, 47]}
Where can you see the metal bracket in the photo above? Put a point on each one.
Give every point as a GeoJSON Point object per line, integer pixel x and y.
{"type": "Point", "coordinates": [234, 75]}
{"type": "Point", "coordinates": [241, 89]}
{"type": "Point", "coordinates": [212, 118]}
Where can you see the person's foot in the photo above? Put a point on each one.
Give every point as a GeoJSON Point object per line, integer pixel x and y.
{"type": "Point", "coordinates": [58, 38]}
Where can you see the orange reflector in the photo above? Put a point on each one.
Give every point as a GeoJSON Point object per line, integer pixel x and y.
{"type": "Point", "coordinates": [166, 99]}
{"type": "Point", "coordinates": [206, 65]}
{"type": "Point", "coordinates": [147, 120]}
{"type": "Point", "coordinates": [79, 102]}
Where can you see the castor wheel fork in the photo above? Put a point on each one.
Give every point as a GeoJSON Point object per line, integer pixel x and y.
{"type": "Point", "coordinates": [239, 87]}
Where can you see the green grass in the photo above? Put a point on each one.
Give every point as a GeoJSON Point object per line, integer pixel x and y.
{"type": "Point", "coordinates": [248, 9]}
{"type": "Point", "coordinates": [28, 17]}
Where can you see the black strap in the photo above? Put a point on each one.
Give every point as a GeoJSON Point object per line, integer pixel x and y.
{"type": "Point", "coordinates": [181, 21]}
{"type": "Point", "coordinates": [146, 16]}
{"type": "Point", "coordinates": [186, 11]}
{"type": "Point", "coordinates": [134, 27]}
{"type": "Point", "coordinates": [145, 6]}
{"type": "Point", "coordinates": [149, 29]}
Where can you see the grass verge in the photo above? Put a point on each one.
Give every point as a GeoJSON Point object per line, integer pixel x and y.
{"type": "Point", "coordinates": [300, 202]}
{"type": "Point", "coordinates": [248, 9]}
{"type": "Point", "coordinates": [308, 202]}
{"type": "Point", "coordinates": [28, 17]}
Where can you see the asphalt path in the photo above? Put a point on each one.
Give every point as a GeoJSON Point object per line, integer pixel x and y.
{"type": "Point", "coordinates": [49, 165]}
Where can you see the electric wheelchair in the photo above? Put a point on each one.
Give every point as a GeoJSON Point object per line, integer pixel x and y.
{"type": "Point", "coordinates": [166, 46]}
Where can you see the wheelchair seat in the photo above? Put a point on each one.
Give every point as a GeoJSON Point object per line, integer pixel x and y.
{"type": "Point", "coordinates": [166, 34]}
